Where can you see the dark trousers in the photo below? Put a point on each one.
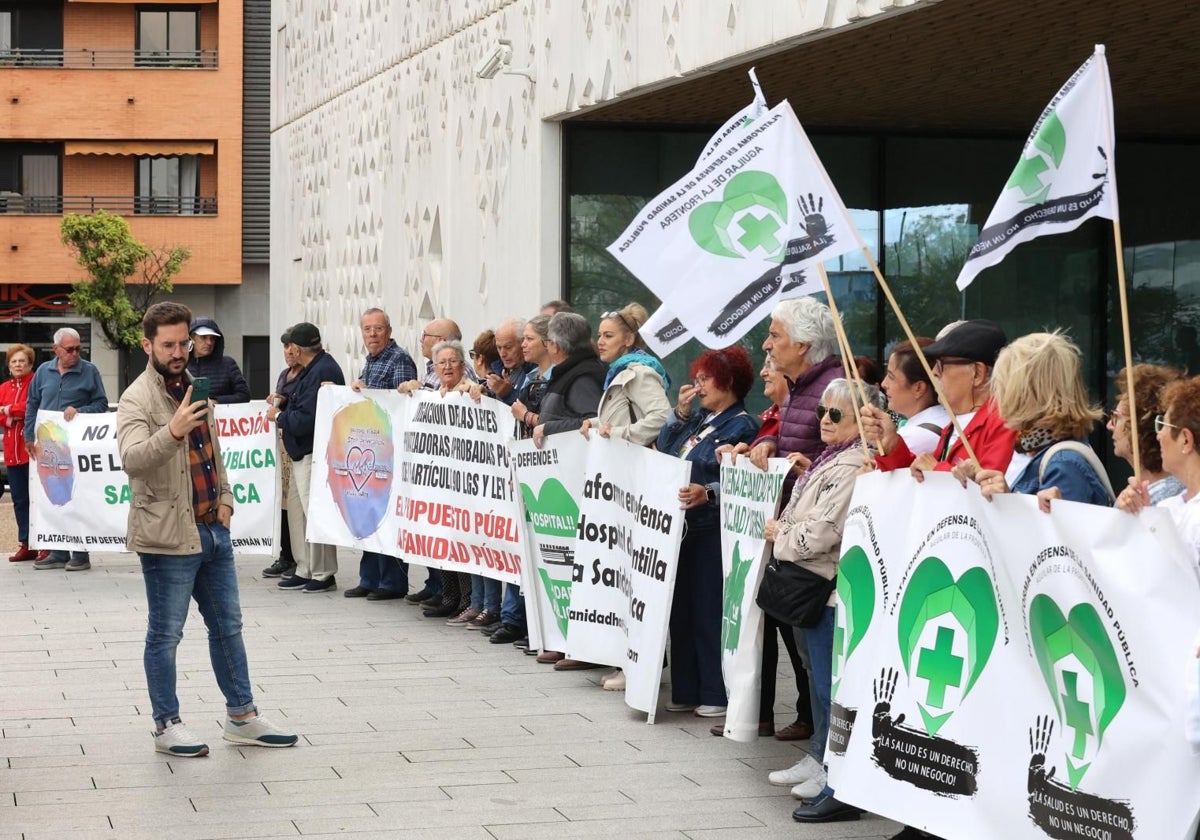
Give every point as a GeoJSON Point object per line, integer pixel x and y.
{"type": "Point", "coordinates": [772, 630]}
{"type": "Point", "coordinates": [696, 621]}
{"type": "Point", "coordinates": [285, 540]}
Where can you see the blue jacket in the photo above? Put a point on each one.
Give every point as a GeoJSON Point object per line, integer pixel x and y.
{"type": "Point", "coordinates": [733, 425]}
{"type": "Point", "coordinates": [81, 387]}
{"type": "Point", "coordinates": [226, 384]}
{"type": "Point", "coordinates": [298, 420]}
{"type": "Point", "coordinates": [1069, 472]}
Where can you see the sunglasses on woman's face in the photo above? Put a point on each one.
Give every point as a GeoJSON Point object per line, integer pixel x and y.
{"type": "Point", "coordinates": [835, 414]}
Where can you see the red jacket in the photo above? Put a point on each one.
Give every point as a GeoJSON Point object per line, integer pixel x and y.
{"type": "Point", "coordinates": [14, 393]}
{"type": "Point", "coordinates": [992, 441]}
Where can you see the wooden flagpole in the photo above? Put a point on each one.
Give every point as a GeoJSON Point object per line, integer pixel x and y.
{"type": "Point", "coordinates": [1129, 383]}
{"type": "Point", "coordinates": [847, 360]}
{"type": "Point", "coordinates": [912, 339]}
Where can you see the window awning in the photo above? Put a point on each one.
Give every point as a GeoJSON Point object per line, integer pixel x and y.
{"type": "Point", "coordinates": [146, 2]}
{"type": "Point", "coordinates": [155, 148]}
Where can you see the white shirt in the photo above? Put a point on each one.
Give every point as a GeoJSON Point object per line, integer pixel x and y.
{"type": "Point", "coordinates": [1187, 520]}
{"type": "Point", "coordinates": [920, 440]}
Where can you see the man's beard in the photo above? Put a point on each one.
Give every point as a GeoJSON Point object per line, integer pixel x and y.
{"type": "Point", "coordinates": [165, 370]}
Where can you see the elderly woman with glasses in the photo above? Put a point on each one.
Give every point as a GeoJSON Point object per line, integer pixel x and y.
{"type": "Point", "coordinates": [1149, 384]}
{"type": "Point", "coordinates": [634, 405]}
{"type": "Point", "coordinates": [809, 533]}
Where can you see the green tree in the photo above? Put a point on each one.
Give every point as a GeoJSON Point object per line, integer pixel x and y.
{"type": "Point", "coordinates": [124, 275]}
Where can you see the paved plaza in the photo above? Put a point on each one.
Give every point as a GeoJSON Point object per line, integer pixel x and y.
{"type": "Point", "coordinates": [409, 728]}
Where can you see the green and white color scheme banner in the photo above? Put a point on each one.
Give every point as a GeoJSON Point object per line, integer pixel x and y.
{"type": "Point", "coordinates": [422, 476]}
{"type": "Point", "coordinates": [749, 497]}
{"type": "Point", "coordinates": [79, 495]}
{"type": "Point", "coordinates": [1004, 673]}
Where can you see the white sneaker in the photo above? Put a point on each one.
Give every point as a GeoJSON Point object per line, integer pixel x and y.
{"type": "Point", "coordinates": [710, 711]}
{"type": "Point", "coordinates": [614, 681]}
{"type": "Point", "coordinates": [803, 770]}
{"type": "Point", "coordinates": [812, 787]}
{"type": "Point", "coordinates": [257, 732]}
{"type": "Point", "coordinates": [178, 740]}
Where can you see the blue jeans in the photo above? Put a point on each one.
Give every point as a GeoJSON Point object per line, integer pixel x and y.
{"type": "Point", "coordinates": [695, 621]}
{"type": "Point", "coordinates": [378, 571]}
{"type": "Point", "coordinates": [818, 641]}
{"type": "Point", "coordinates": [485, 593]}
{"type": "Point", "coordinates": [18, 485]}
{"type": "Point", "coordinates": [172, 581]}
{"type": "Point", "coordinates": [512, 610]}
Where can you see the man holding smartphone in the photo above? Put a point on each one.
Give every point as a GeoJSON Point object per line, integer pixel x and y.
{"type": "Point", "coordinates": [179, 526]}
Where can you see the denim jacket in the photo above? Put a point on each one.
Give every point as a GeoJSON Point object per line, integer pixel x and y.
{"type": "Point", "coordinates": [733, 425]}
{"type": "Point", "coordinates": [1069, 472]}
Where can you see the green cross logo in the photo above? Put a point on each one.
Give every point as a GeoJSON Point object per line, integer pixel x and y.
{"type": "Point", "coordinates": [1078, 647]}
{"type": "Point", "coordinates": [552, 512]}
{"type": "Point", "coordinates": [735, 594]}
{"type": "Point", "coordinates": [1050, 141]}
{"type": "Point", "coordinates": [747, 222]}
{"type": "Point", "coordinates": [558, 593]}
{"type": "Point", "coordinates": [969, 602]}
{"type": "Point", "coordinates": [856, 607]}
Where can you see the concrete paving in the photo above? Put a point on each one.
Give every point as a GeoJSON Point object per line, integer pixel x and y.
{"type": "Point", "coordinates": [409, 728]}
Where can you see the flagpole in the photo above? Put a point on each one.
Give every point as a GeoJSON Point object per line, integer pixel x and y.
{"type": "Point", "coordinates": [912, 340]}
{"type": "Point", "coordinates": [1129, 383]}
{"type": "Point", "coordinates": [847, 360]}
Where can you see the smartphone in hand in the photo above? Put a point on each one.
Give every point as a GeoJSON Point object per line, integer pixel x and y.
{"type": "Point", "coordinates": [200, 389]}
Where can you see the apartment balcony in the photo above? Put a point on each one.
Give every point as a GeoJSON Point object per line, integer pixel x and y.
{"type": "Point", "coordinates": [108, 59]}
{"type": "Point", "coordinates": [15, 204]}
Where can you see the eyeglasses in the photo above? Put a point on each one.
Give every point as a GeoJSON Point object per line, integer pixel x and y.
{"type": "Point", "coordinates": [172, 346]}
{"type": "Point", "coordinates": [426, 335]}
{"type": "Point", "coordinates": [948, 361]}
{"type": "Point", "coordinates": [448, 363]}
{"type": "Point", "coordinates": [701, 380]}
{"type": "Point", "coordinates": [835, 414]}
{"type": "Point", "coordinates": [67, 349]}
{"type": "Point", "coordinates": [605, 316]}
{"type": "Point", "coordinates": [1159, 423]}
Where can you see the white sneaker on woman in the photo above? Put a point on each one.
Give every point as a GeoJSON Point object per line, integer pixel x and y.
{"type": "Point", "coordinates": [803, 770]}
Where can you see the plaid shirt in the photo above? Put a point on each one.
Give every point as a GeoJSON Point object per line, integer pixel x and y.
{"type": "Point", "coordinates": [205, 489]}
{"type": "Point", "coordinates": [388, 368]}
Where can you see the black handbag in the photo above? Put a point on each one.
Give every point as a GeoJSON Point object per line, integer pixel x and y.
{"type": "Point", "coordinates": [794, 595]}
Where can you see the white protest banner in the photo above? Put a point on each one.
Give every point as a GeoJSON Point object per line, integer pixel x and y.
{"type": "Point", "coordinates": [551, 480]}
{"type": "Point", "coordinates": [80, 500]}
{"type": "Point", "coordinates": [1018, 673]}
{"type": "Point", "coordinates": [752, 217]}
{"type": "Point", "coordinates": [627, 553]}
{"type": "Point", "coordinates": [1066, 173]}
{"type": "Point", "coordinates": [749, 497]}
{"type": "Point", "coordinates": [423, 477]}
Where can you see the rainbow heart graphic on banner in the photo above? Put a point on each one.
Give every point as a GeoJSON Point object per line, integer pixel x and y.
{"type": "Point", "coordinates": [1074, 652]}
{"type": "Point", "coordinates": [55, 466]}
{"type": "Point", "coordinates": [967, 619]}
{"type": "Point", "coordinates": [360, 458]}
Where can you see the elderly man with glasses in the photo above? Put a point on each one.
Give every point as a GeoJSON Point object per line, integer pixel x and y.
{"type": "Point", "coordinates": [71, 384]}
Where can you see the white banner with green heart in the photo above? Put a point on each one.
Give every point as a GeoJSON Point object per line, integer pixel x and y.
{"type": "Point", "coordinates": [1021, 673]}
{"type": "Point", "coordinates": [749, 497]}
{"type": "Point", "coordinates": [551, 480]}
{"type": "Point", "coordinates": [627, 552]}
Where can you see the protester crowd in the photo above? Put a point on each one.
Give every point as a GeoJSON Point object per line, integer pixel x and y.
{"type": "Point", "coordinates": [1013, 417]}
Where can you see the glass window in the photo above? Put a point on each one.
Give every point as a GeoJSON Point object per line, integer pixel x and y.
{"type": "Point", "coordinates": [167, 185]}
{"type": "Point", "coordinates": [169, 37]}
{"type": "Point", "coordinates": [6, 39]}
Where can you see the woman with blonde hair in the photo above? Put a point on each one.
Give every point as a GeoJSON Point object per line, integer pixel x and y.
{"type": "Point", "coordinates": [634, 405]}
{"type": "Point", "coordinates": [1039, 392]}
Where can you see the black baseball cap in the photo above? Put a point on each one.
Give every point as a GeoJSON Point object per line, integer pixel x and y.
{"type": "Point", "coordinates": [979, 340]}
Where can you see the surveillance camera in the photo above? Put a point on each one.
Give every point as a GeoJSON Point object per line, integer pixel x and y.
{"type": "Point", "coordinates": [496, 60]}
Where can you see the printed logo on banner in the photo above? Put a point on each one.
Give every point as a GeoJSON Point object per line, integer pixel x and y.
{"type": "Point", "coordinates": [55, 464]}
{"type": "Point", "coordinates": [360, 458]}
{"type": "Point", "coordinates": [1083, 673]}
{"type": "Point", "coordinates": [554, 516]}
{"type": "Point", "coordinates": [735, 593]}
{"type": "Point", "coordinates": [746, 222]}
{"type": "Point", "coordinates": [1049, 146]}
{"type": "Point", "coordinates": [947, 628]}
{"type": "Point", "coordinates": [856, 605]}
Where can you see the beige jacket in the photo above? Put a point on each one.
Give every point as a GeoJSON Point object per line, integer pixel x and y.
{"type": "Point", "coordinates": [161, 517]}
{"type": "Point", "coordinates": [810, 527]}
{"type": "Point", "coordinates": [636, 405]}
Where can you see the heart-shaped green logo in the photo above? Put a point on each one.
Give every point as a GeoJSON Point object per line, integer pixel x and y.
{"type": "Point", "coordinates": [856, 591]}
{"type": "Point", "coordinates": [932, 592]}
{"type": "Point", "coordinates": [552, 512]}
{"type": "Point", "coordinates": [735, 596]}
{"type": "Point", "coordinates": [559, 594]}
{"type": "Point", "coordinates": [750, 220]}
{"type": "Point", "coordinates": [1080, 642]}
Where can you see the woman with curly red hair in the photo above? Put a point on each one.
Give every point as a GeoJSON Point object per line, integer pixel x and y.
{"type": "Point", "coordinates": [720, 381]}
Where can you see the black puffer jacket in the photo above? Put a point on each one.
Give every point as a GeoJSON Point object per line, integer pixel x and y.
{"type": "Point", "coordinates": [226, 383]}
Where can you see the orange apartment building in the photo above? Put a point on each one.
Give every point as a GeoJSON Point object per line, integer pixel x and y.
{"type": "Point", "coordinates": [139, 109]}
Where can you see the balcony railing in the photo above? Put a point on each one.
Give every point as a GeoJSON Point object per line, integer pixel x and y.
{"type": "Point", "coordinates": [110, 59]}
{"type": "Point", "coordinates": [122, 205]}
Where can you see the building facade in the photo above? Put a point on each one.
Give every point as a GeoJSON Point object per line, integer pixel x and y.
{"type": "Point", "coordinates": [402, 178]}
{"type": "Point", "coordinates": [137, 109]}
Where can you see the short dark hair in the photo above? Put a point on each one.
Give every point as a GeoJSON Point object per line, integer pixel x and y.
{"type": "Point", "coordinates": [164, 314]}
